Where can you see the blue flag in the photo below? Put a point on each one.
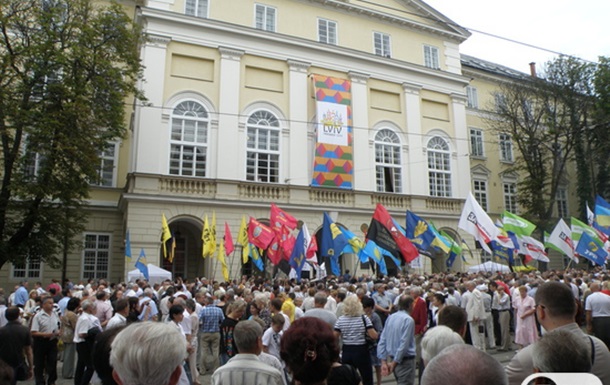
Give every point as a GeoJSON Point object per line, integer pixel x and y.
{"type": "Point", "coordinates": [375, 253]}
{"type": "Point", "coordinates": [354, 244]}
{"type": "Point", "coordinates": [419, 232]}
{"type": "Point", "coordinates": [602, 215]}
{"type": "Point", "coordinates": [591, 250]}
{"type": "Point", "coordinates": [127, 246]}
{"type": "Point", "coordinates": [142, 265]}
{"type": "Point", "coordinates": [255, 256]}
{"type": "Point", "coordinates": [297, 258]}
{"type": "Point", "coordinates": [332, 243]}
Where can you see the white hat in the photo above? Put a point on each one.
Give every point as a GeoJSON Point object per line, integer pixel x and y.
{"type": "Point", "coordinates": [482, 288]}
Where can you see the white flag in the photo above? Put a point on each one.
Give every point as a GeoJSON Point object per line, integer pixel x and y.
{"type": "Point", "coordinates": [310, 251]}
{"type": "Point", "coordinates": [561, 237]}
{"type": "Point", "coordinates": [532, 247]}
{"type": "Point", "coordinates": [475, 221]}
{"type": "Point", "coordinates": [590, 216]}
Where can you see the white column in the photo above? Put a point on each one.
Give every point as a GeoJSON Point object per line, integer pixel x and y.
{"type": "Point", "coordinates": [230, 163]}
{"type": "Point", "coordinates": [460, 158]}
{"type": "Point", "coordinates": [414, 164]}
{"type": "Point", "coordinates": [297, 159]}
{"type": "Point", "coordinates": [150, 139]}
{"type": "Point", "coordinates": [364, 157]}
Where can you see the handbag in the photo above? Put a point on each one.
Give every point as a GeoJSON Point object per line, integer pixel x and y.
{"type": "Point", "coordinates": [371, 343]}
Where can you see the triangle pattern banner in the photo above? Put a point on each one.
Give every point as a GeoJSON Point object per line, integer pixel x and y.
{"type": "Point", "coordinates": [333, 159]}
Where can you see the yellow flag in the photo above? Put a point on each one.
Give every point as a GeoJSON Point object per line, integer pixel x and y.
{"type": "Point", "coordinates": [166, 235]}
{"type": "Point", "coordinates": [206, 237]}
{"type": "Point", "coordinates": [242, 239]}
{"type": "Point", "coordinates": [223, 263]}
{"type": "Point", "coordinates": [212, 245]}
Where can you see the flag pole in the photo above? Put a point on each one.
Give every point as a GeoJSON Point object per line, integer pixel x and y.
{"type": "Point", "coordinates": [231, 265]}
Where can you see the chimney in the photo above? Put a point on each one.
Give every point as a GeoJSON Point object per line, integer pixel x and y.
{"type": "Point", "coordinates": [533, 69]}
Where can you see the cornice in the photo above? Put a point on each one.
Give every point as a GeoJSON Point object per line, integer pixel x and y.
{"type": "Point", "coordinates": [358, 77]}
{"type": "Point", "coordinates": [231, 53]}
{"type": "Point", "coordinates": [298, 66]}
{"type": "Point", "coordinates": [411, 88]}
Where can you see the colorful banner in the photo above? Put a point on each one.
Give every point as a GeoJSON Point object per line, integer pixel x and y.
{"type": "Point", "coordinates": [333, 162]}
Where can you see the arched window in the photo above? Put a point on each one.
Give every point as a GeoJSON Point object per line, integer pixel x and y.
{"type": "Point", "coordinates": [439, 167]}
{"type": "Point", "coordinates": [263, 147]}
{"type": "Point", "coordinates": [189, 140]}
{"type": "Point", "coordinates": [388, 170]}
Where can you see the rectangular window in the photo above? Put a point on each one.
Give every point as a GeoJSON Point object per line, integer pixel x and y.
{"type": "Point", "coordinates": [381, 42]}
{"type": "Point", "coordinates": [96, 255]}
{"type": "Point", "coordinates": [510, 197]}
{"type": "Point", "coordinates": [31, 268]}
{"type": "Point", "coordinates": [265, 17]}
{"type": "Point", "coordinates": [506, 148]}
{"type": "Point", "coordinates": [431, 57]}
{"type": "Point", "coordinates": [473, 97]}
{"type": "Point", "coordinates": [108, 162]}
{"type": "Point", "coordinates": [500, 102]}
{"type": "Point", "coordinates": [327, 31]}
{"type": "Point", "coordinates": [476, 142]}
{"type": "Point", "coordinates": [480, 192]}
{"type": "Point", "coordinates": [562, 202]}
{"type": "Point", "coordinates": [197, 8]}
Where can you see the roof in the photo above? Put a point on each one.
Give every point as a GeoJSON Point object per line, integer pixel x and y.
{"type": "Point", "coordinates": [484, 65]}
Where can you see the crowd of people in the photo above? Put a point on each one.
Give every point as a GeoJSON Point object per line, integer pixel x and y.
{"type": "Point", "coordinates": [437, 328]}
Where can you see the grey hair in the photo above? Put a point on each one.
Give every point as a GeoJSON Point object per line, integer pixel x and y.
{"type": "Point", "coordinates": [246, 336]}
{"type": "Point", "coordinates": [87, 304]}
{"type": "Point", "coordinates": [147, 353]}
{"type": "Point", "coordinates": [563, 352]}
{"type": "Point", "coordinates": [464, 365]}
{"type": "Point", "coordinates": [436, 339]}
{"type": "Point", "coordinates": [320, 299]}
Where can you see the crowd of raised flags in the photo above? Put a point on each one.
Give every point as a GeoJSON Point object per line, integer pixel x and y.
{"type": "Point", "coordinates": [288, 247]}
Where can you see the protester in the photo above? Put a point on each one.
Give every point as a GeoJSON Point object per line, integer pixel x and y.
{"type": "Point", "coordinates": [525, 328]}
{"type": "Point", "coordinates": [68, 325]}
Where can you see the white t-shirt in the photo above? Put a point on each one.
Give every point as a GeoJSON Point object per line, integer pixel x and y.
{"type": "Point", "coordinates": [271, 340]}
{"type": "Point", "coordinates": [599, 304]}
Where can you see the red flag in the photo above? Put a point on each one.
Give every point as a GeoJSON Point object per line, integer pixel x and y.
{"type": "Point", "coordinates": [274, 252]}
{"type": "Point", "coordinates": [383, 225]}
{"type": "Point", "coordinates": [259, 234]}
{"type": "Point", "coordinates": [281, 218]}
{"type": "Point", "coordinates": [229, 246]}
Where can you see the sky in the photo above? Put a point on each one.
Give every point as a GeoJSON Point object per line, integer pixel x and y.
{"type": "Point", "coordinates": [574, 27]}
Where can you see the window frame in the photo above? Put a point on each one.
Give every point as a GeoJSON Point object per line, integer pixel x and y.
{"type": "Point", "coordinates": [505, 144]}
{"type": "Point", "coordinates": [265, 23]}
{"type": "Point", "coordinates": [510, 197]}
{"type": "Point", "coordinates": [194, 145]}
{"type": "Point", "coordinates": [196, 7]}
{"type": "Point", "coordinates": [561, 199]}
{"type": "Point", "coordinates": [395, 168]}
{"type": "Point", "coordinates": [96, 270]}
{"type": "Point", "coordinates": [385, 50]}
{"type": "Point", "coordinates": [477, 142]}
{"type": "Point", "coordinates": [273, 156]}
{"type": "Point", "coordinates": [27, 269]}
{"type": "Point", "coordinates": [472, 96]}
{"type": "Point", "coordinates": [103, 159]}
{"type": "Point", "coordinates": [432, 57]}
{"type": "Point", "coordinates": [481, 195]}
{"type": "Point", "coordinates": [328, 22]}
{"type": "Point", "coordinates": [436, 175]}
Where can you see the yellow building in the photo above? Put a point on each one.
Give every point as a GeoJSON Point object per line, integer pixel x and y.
{"type": "Point", "coordinates": [234, 88]}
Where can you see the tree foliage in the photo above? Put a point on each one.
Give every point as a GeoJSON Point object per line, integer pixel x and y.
{"type": "Point", "coordinates": [66, 70]}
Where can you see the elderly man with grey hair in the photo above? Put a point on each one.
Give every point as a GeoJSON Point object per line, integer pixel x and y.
{"type": "Point", "coordinates": [464, 365]}
{"type": "Point", "coordinates": [319, 302]}
{"type": "Point", "coordinates": [87, 327]}
{"type": "Point", "coordinates": [561, 352]}
{"type": "Point", "coordinates": [246, 367]}
{"type": "Point", "coordinates": [436, 339]}
{"type": "Point", "coordinates": [148, 353]}
{"type": "Point", "coordinates": [147, 300]}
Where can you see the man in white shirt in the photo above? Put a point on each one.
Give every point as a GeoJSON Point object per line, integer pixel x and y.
{"type": "Point", "coordinates": [120, 317]}
{"type": "Point", "coordinates": [87, 326]}
{"type": "Point", "coordinates": [597, 308]}
{"type": "Point", "coordinates": [475, 311]}
{"type": "Point", "coordinates": [45, 331]}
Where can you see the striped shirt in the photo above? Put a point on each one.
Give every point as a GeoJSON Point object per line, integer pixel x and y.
{"type": "Point", "coordinates": [352, 329]}
{"type": "Point", "coordinates": [246, 369]}
{"type": "Point", "coordinates": [210, 319]}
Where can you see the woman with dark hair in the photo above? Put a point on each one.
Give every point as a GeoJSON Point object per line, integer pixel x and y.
{"type": "Point", "coordinates": [438, 303]}
{"type": "Point", "coordinates": [309, 349]}
{"type": "Point", "coordinates": [68, 324]}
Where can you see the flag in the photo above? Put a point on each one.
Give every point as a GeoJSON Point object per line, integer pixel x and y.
{"type": "Point", "coordinates": [297, 258]}
{"type": "Point", "coordinates": [579, 228]}
{"type": "Point", "coordinates": [388, 235]}
{"type": "Point", "coordinates": [286, 242]}
{"type": "Point", "coordinates": [354, 244]}
{"type": "Point", "coordinates": [259, 234]}
{"type": "Point", "coordinates": [602, 215]}
{"type": "Point", "coordinates": [166, 236]}
{"type": "Point", "coordinates": [255, 256]}
{"type": "Point", "coordinates": [312, 245]}
{"type": "Point", "coordinates": [212, 247]}
{"type": "Point", "coordinates": [206, 237]}
{"type": "Point", "coordinates": [127, 246]}
{"type": "Point", "coordinates": [221, 258]}
{"type": "Point", "coordinates": [591, 249]}
{"type": "Point", "coordinates": [561, 237]}
{"type": "Point", "coordinates": [229, 246]}
{"type": "Point", "coordinates": [533, 248]}
{"type": "Point", "coordinates": [475, 221]}
{"type": "Point", "coordinates": [142, 265]}
{"type": "Point", "coordinates": [418, 231]}
{"type": "Point", "coordinates": [502, 252]}
{"type": "Point", "coordinates": [373, 252]}
{"type": "Point", "coordinates": [242, 239]}
{"type": "Point", "coordinates": [274, 252]}
{"type": "Point", "coordinates": [440, 241]}
{"type": "Point", "coordinates": [332, 243]}
{"type": "Point", "coordinates": [590, 215]}
{"type": "Point", "coordinates": [550, 245]}
{"type": "Point", "coordinates": [516, 224]}
{"type": "Point", "coordinates": [453, 253]}
{"type": "Point", "coordinates": [280, 218]}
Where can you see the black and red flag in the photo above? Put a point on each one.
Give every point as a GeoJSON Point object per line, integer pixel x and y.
{"type": "Point", "coordinates": [388, 234]}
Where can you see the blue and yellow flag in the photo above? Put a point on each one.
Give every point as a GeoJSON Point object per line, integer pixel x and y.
{"type": "Point", "coordinates": [375, 253]}
{"type": "Point", "coordinates": [354, 244]}
{"type": "Point", "coordinates": [127, 246]}
{"type": "Point", "coordinates": [142, 264]}
{"type": "Point", "coordinates": [297, 257]}
{"type": "Point", "coordinates": [602, 215]}
{"type": "Point", "coordinates": [418, 231]}
{"type": "Point", "coordinates": [255, 256]}
{"type": "Point", "coordinates": [332, 243]}
{"type": "Point", "coordinates": [589, 248]}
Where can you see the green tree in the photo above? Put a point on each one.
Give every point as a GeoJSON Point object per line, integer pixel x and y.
{"type": "Point", "coordinates": [600, 131]}
{"type": "Point", "coordinates": [67, 69]}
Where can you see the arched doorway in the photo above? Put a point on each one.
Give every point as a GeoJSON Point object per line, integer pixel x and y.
{"type": "Point", "coordinates": [187, 262]}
